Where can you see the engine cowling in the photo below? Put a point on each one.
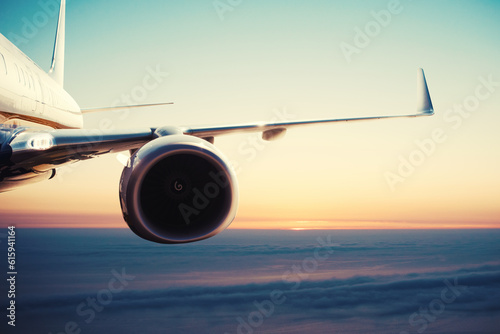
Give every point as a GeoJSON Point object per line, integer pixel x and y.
{"type": "Point", "coordinates": [178, 189]}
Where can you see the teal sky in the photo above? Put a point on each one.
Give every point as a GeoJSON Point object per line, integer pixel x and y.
{"type": "Point", "coordinates": [267, 55]}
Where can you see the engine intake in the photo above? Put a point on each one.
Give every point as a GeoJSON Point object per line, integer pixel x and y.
{"type": "Point", "coordinates": [178, 189]}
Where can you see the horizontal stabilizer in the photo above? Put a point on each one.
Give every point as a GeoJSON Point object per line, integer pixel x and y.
{"type": "Point", "coordinates": [86, 111]}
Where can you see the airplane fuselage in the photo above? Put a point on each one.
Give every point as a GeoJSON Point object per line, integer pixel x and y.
{"type": "Point", "coordinates": [27, 93]}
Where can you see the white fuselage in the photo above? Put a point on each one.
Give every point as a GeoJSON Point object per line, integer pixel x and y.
{"type": "Point", "coordinates": [27, 93]}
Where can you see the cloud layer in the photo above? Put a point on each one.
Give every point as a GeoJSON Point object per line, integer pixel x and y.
{"type": "Point", "coordinates": [241, 283]}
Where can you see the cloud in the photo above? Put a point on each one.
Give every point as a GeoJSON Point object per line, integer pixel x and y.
{"type": "Point", "coordinates": [365, 286]}
{"type": "Point", "coordinates": [372, 296]}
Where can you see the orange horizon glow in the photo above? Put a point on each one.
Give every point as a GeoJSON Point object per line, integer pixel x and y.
{"type": "Point", "coordinates": [94, 221]}
{"type": "Point", "coordinates": [385, 174]}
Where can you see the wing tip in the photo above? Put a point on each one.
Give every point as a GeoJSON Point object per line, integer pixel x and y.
{"type": "Point", "coordinates": [424, 101]}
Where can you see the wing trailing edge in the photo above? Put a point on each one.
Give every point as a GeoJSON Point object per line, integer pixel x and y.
{"type": "Point", "coordinates": [424, 108]}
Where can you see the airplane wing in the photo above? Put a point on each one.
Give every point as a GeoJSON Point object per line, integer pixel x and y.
{"type": "Point", "coordinates": [272, 131]}
{"type": "Point", "coordinates": [57, 147]}
{"type": "Point", "coordinates": [28, 155]}
{"type": "Point", "coordinates": [25, 150]}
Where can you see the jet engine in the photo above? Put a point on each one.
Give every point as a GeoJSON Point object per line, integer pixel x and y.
{"type": "Point", "coordinates": [178, 189]}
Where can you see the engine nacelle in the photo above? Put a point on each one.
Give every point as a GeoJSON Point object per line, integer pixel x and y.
{"type": "Point", "coordinates": [178, 189]}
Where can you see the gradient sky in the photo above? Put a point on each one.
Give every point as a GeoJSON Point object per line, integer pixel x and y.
{"type": "Point", "coordinates": [263, 58]}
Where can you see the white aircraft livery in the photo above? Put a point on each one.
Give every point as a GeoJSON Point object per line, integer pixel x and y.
{"type": "Point", "coordinates": [176, 187]}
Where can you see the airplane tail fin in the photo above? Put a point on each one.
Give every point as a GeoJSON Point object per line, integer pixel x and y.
{"type": "Point", "coordinates": [424, 102]}
{"type": "Point", "coordinates": [57, 68]}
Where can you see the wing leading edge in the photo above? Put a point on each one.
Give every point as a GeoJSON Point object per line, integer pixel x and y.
{"type": "Point", "coordinates": [25, 150]}
{"type": "Point", "coordinates": [273, 130]}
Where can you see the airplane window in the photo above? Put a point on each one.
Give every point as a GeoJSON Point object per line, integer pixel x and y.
{"type": "Point", "coordinates": [2, 62]}
{"type": "Point", "coordinates": [25, 77]}
{"type": "Point", "coordinates": [44, 92]}
{"type": "Point", "coordinates": [21, 75]}
{"type": "Point", "coordinates": [18, 75]}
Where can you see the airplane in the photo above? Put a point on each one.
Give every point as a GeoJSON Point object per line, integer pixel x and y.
{"type": "Point", "coordinates": [176, 187]}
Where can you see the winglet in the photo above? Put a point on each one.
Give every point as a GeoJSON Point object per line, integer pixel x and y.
{"type": "Point", "coordinates": [424, 103]}
{"type": "Point", "coordinates": [57, 67]}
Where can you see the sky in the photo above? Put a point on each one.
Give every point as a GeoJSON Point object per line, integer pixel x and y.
{"type": "Point", "coordinates": [102, 281]}
{"type": "Point", "coordinates": [285, 60]}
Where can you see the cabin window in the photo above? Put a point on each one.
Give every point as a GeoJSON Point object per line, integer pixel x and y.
{"type": "Point", "coordinates": [20, 71]}
{"type": "Point", "coordinates": [24, 77]}
{"type": "Point", "coordinates": [21, 74]}
{"type": "Point", "coordinates": [37, 87]}
{"type": "Point", "coordinates": [18, 75]}
{"type": "Point", "coordinates": [3, 64]}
